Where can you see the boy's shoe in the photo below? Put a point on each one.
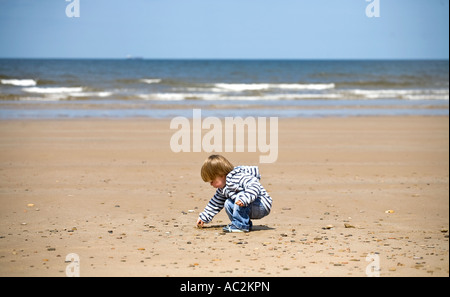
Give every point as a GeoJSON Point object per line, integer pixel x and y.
{"type": "Point", "coordinates": [233, 229]}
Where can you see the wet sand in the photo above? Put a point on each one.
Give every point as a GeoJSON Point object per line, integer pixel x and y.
{"type": "Point", "coordinates": [114, 193]}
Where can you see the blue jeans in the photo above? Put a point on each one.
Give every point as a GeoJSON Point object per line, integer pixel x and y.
{"type": "Point", "coordinates": [241, 216]}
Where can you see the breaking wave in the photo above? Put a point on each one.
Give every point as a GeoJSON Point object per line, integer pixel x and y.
{"type": "Point", "coordinates": [19, 82]}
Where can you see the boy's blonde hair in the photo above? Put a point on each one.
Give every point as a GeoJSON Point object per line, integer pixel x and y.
{"type": "Point", "coordinates": [215, 166]}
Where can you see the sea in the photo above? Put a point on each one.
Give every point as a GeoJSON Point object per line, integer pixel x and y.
{"type": "Point", "coordinates": [141, 88]}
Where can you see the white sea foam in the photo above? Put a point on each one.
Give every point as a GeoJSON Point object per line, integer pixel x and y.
{"type": "Point", "coordinates": [62, 93]}
{"type": "Point", "coordinates": [304, 86]}
{"type": "Point", "coordinates": [224, 97]}
{"type": "Point", "coordinates": [58, 96]}
{"type": "Point", "coordinates": [335, 95]}
{"type": "Point", "coordinates": [258, 87]}
{"type": "Point", "coordinates": [91, 94]}
{"type": "Point", "coordinates": [52, 90]}
{"type": "Point", "coordinates": [427, 97]}
{"type": "Point", "coordinates": [304, 96]}
{"type": "Point", "coordinates": [151, 80]}
{"type": "Point", "coordinates": [164, 96]}
{"type": "Point", "coordinates": [428, 94]}
{"type": "Point", "coordinates": [241, 87]}
{"type": "Point", "coordinates": [19, 82]}
{"type": "Point", "coordinates": [276, 97]}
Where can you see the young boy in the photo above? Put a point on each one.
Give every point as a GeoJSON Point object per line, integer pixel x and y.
{"type": "Point", "coordinates": [238, 190]}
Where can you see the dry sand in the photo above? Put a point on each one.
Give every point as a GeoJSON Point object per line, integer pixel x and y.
{"type": "Point", "coordinates": [114, 193]}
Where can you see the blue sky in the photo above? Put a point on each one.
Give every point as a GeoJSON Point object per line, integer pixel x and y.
{"type": "Point", "coordinates": [225, 29]}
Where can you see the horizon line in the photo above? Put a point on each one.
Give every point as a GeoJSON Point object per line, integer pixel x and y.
{"type": "Point", "coordinates": [138, 58]}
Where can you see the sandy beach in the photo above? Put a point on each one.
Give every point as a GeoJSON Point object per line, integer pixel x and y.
{"type": "Point", "coordinates": [113, 192]}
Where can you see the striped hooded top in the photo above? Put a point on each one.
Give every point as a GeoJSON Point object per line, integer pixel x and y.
{"type": "Point", "coordinates": [242, 183]}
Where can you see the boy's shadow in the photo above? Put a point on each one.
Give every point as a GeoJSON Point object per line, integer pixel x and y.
{"type": "Point", "coordinates": [254, 229]}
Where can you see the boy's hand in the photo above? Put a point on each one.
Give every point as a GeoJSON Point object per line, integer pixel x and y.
{"type": "Point", "coordinates": [240, 203]}
{"type": "Point", "coordinates": [200, 223]}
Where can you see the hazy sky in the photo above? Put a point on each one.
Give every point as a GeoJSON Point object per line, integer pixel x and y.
{"type": "Point", "coordinates": [273, 29]}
